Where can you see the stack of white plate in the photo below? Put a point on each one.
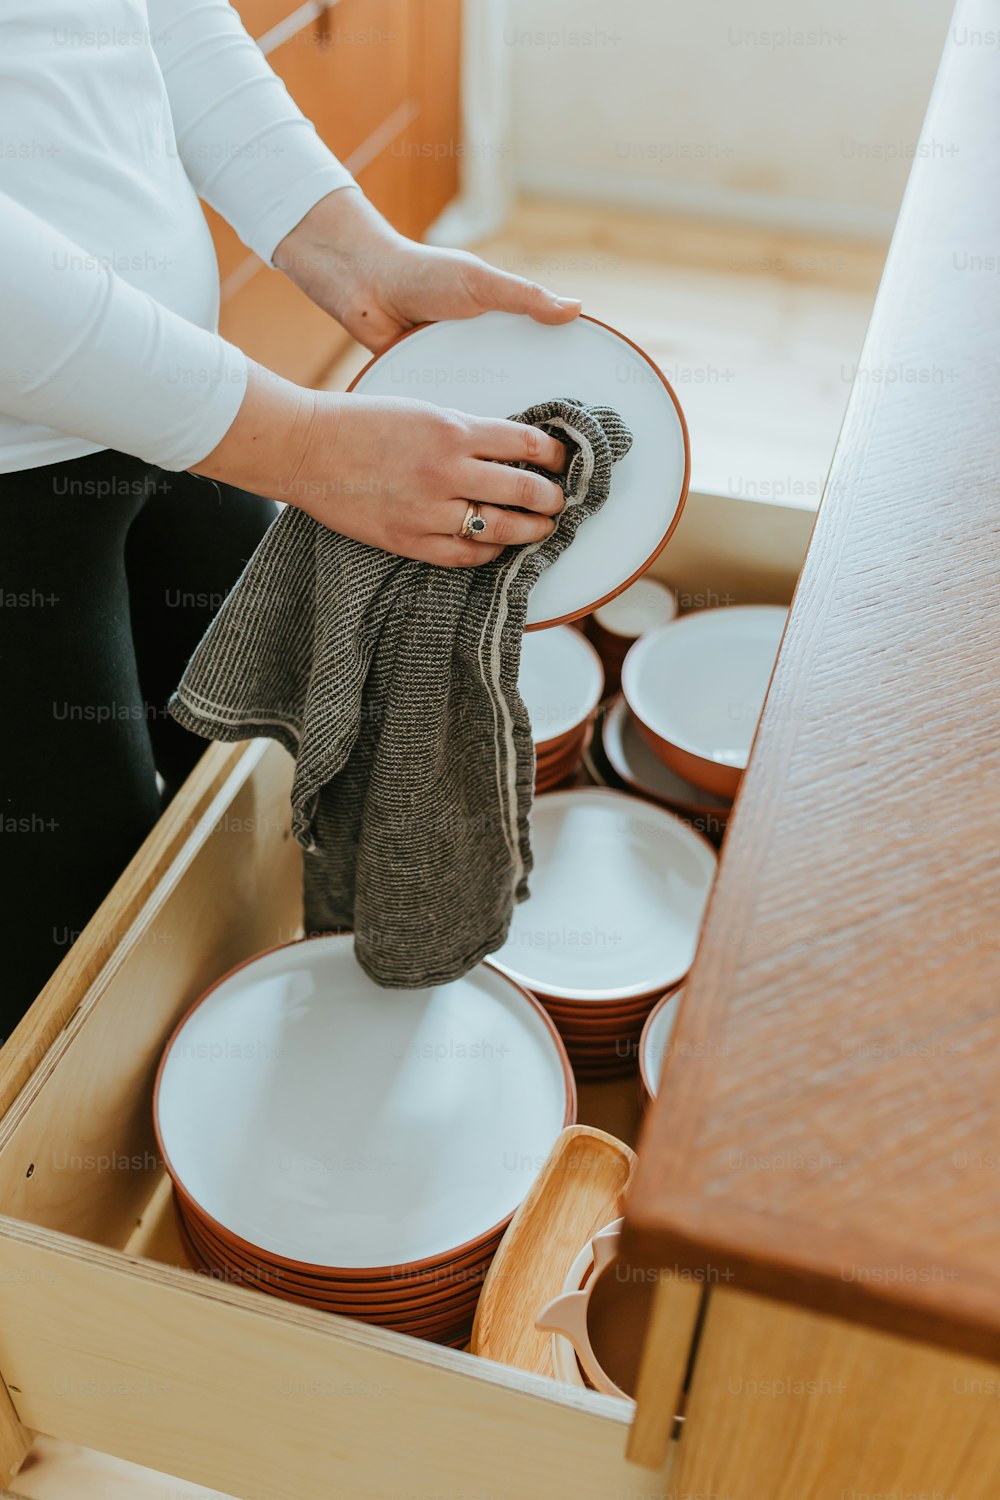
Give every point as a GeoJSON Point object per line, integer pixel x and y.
{"type": "Point", "coordinates": [617, 625]}
{"type": "Point", "coordinates": [618, 893]}
{"type": "Point", "coordinates": [357, 1149]}
{"type": "Point", "coordinates": [560, 681]}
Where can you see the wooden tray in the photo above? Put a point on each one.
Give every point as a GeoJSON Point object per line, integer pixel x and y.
{"type": "Point", "coordinates": [579, 1190]}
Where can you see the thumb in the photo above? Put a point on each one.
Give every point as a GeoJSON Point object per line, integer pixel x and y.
{"type": "Point", "coordinates": [503, 292]}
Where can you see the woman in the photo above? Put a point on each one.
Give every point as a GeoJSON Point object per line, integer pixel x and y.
{"type": "Point", "coordinates": [140, 453]}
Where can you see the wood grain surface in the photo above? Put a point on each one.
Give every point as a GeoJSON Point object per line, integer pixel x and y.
{"type": "Point", "coordinates": [257, 1398]}
{"type": "Point", "coordinates": [578, 1191]}
{"type": "Point", "coordinates": [828, 1130]}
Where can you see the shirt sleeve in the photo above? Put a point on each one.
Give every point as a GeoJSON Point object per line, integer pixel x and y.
{"type": "Point", "coordinates": [88, 354]}
{"type": "Point", "coordinates": [245, 145]}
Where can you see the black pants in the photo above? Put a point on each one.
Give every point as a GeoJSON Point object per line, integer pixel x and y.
{"type": "Point", "coordinates": [110, 571]}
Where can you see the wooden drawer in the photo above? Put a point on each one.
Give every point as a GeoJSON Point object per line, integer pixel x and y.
{"type": "Point", "coordinates": [114, 1349]}
{"type": "Point", "coordinates": [105, 1340]}
{"type": "Point", "coordinates": [349, 70]}
{"type": "Point", "coordinates": [434, 139]}
{"type": "Point", "coordinates": [262, 16]}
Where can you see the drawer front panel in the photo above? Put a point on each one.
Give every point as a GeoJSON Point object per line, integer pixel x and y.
{"type": "Point", "coordinates": [257, 1399]}
{"type": "Point", "coordinates": [347, 68]}
{"type": "Point", "coordinates": [810, 1405]}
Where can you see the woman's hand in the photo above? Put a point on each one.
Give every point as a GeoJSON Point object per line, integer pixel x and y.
{"type": "Point", "coordinates": [377, 283]}
{"type": "Point", "coordinates": [393, 473]}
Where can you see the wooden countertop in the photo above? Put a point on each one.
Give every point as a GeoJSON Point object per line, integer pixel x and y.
{"type": "Point", "coordinates": [828, 1131]}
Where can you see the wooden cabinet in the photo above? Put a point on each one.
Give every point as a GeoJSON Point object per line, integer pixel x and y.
{"type": "Point", "coordinates": [380, 81]}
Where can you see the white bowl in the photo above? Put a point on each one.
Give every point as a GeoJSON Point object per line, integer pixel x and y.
{"type": "Point", "coordinates": [697, 687]}
{"type": "Point", "coordinates": [499, 364]}
{"type": "Point", "coordinates": [644, 606]}
{"type": "Point", "coordinates": [560, 681]}
{"type": "Point", "coordinates": [323, 1119]}
{"type": "Point", "coordinates": [618, 894]}
{"type": "Point", "coordinates": [632, 759]}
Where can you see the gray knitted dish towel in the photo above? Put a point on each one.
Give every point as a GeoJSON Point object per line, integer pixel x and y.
{"type": "Point", "coordinates": [393, 684]}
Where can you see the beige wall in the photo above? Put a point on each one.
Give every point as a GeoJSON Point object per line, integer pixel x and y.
{"type": "Point", "coordinates": [789, 112]}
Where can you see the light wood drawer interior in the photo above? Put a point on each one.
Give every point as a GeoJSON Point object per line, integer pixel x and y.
{"type": "Point", "coordinates": [105, 1340]}
{"type": "Point", "coordinates": [102, 1345]}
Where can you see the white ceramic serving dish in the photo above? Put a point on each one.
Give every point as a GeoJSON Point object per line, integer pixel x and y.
{"type": "Point", "coordinates": [499, 364]}
{"type": "Point", "coordinates": [560, 681]}
{"type": "Point", "coordinates": [618, 893]}
{"type": "Point", "coordinates": [311, 1113]}
{"type": "Point", "coordinates": [697, 687]}
{"type": "Point", "coordinates": [633, 759]}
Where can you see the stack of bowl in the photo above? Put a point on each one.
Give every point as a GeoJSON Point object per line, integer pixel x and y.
{"type": "Point", "coordinates": [560, 681]}
{"type": "Point", "coordinates": [618, 893]}
{"type": "Point", "coordinates": [617, 625]}
{"type": "Point", "coordinates": [694, 691]}
{"type": "Point", "coordinates": [638, 767]}
{"type": "Point", "coordinates": [356, 1149]}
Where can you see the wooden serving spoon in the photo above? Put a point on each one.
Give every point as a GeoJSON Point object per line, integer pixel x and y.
{"type": "Point", "coordinates": [580, 1189]}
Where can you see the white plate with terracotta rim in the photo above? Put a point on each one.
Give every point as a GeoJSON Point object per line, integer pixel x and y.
{"type": "Point", "coordinates": [338, 1126]}
{"type": "Point", "coordinates": [561, 681]}
{"type": "Point", "coordinates": [499, 364]}
{"type": "Point", "coordinates": [655, 1039]}
{"type": "Point", "coordinates": [618, 893]}
{"type": "Point", "coordinates": [633, 760]}
{"type": "Point", "coordinates": [697, 687]}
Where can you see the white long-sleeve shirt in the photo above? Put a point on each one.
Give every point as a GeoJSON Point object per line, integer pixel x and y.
{"type": "Point", "coordinates": [115, 116]}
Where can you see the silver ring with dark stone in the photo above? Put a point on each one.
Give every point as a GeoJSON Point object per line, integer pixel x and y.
{"type": "Point", "coordinates": [475, 522]}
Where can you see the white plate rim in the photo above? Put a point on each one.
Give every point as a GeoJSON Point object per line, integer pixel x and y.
{"type": "Point", "coordinates": [334, 1272]}
{"type": "Point", "coordinates": [662, 1005]}
{"type": "Point", "coordinates": [646, 809]}
{"type": "Point", "coordinates": [595, 604]}
{"type": "Point", "coordinates": [612, 728]}
{"type": "Point", "coordinates": [646, 643]}
{"type": "Point", "coordinates": [618, 635]}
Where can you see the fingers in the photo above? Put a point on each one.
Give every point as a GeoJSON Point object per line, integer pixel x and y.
{"type": "Point", "coordinates": [504, 528]}
{"type": "Point", "coordinates": [504, 292]}
{"type": "Point", "coordinates": [493, 438]}
{"type": "Point", "coordinates": [502, 486]}
{"type": "Point", "coordinates": [456, 552]}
